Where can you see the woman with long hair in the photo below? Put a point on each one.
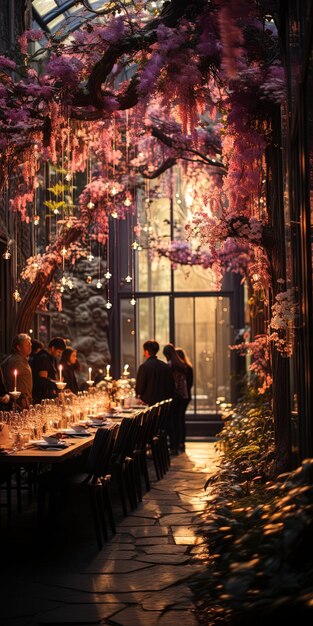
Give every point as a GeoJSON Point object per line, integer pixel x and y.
{"type": "Point", "coordinates": [176, 425]}
{"type": "Point", "coordinates": [70, 366]}
{"type": "Point", "coordinates": [189, 376]}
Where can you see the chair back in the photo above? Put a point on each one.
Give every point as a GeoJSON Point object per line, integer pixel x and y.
{"type": "Point", "coordinates": [101, 451]}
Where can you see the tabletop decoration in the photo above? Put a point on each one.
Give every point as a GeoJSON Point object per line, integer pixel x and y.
{"type": "Point", "coordinates": [89, 382]}
{"type": "Point", "coordinates": [60, 384]}
{"type": "Point", "coordinates": [107, 376]}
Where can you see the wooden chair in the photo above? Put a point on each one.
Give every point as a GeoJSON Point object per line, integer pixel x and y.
{"type": "Point", "coordinates": [123, 462]}
{"type": "Point", "coordinates": [94, 480]}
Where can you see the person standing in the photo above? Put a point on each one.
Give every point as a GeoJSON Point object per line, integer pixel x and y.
{"type": "Point", "coordinates": [154, 380]}
{"type": "Point", "coordinates": [179, 370]}
{"type": "Point", "coordinates": [70, 365]}
{"type": "Point", "coordinates": [189, 377]}
{"type": "Point", "coordinates": [17, 362]}
{"type": "Point", "coordinates": [45, 370]}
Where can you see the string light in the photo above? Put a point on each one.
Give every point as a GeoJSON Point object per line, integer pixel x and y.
{"type": "Point", "coordinates": [132, 301]}
{"type": "Point", "coordinates": [108, 305]}
{"type": "Point", "coordinates": [128, 279]}
{"type": "Point", "coordinates": [7, 254]}
{"type": "Point", "coordinates": [108, 275]}
{"type": "Point", "coordinates": [114, 214]}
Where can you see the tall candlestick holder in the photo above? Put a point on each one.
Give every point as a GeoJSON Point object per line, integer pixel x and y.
{"type": "Point", "coordinates": [60, 385]}
{"type": "Point", "coordinates": [15, 396]}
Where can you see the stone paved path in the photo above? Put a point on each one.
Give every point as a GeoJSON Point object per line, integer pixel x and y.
{"type": "Point", "coordinates": [140, 577]}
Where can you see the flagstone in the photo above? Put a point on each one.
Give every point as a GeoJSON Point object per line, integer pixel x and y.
{"type": "Point", "coordinates": [136, 615]}
{"type": "Point", "coordinates": [165, 558]}
{"type": "Point", "coordinates": [170, 548]}
{"type": "Point", "coordinates": [134, 520]}
{"type": "Point", "coordinates": [174, 596]}
{"type": "Point", "coordinates": [79, 614]}
{"type": "Point", "coordinates": [146, 541]}
{"type": "Point", "coordinates": [180, 518]}
{"type": "Point", "coordinates": [156, 531]}
{"type": "Point", "coordinates": [115, 566]}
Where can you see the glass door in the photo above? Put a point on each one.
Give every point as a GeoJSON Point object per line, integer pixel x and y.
{"type": "Point", "coordinates": [202, 329]}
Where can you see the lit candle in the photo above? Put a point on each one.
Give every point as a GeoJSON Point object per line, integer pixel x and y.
{"type": "Point", "coordinates": [15, 380]}
{"type": "Point", "coordinates": [89, 373]}
{"type": "Point", "coordinates": [126, 366]}
{"type": "Point", "coordinates": [60, 373]}
{"type": "Point", "coordinates": [108, 370]}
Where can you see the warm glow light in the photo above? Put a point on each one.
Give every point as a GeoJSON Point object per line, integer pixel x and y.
{"type": "Point", "coordinates": [108, 305]}
{"type": "Point", "coordinates": [60, 373]}
{"type": "Point", "coordinates": [89, 373]}
{"type": "Point", "coordinates": [128, 279]}
{"type": "Point", "coordinates": [132, 301]}
{"type": "Point", "coordinates": [108, 275]}
{"type": "Point", "coordinates": [15, 380]}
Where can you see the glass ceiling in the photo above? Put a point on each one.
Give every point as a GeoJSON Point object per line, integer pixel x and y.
{"type": "Point", "coordinates": [59, 17]}
{"type": "Point", "coordinates": [62, 16]}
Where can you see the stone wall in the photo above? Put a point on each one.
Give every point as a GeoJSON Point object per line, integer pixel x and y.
{"type": "Point", "coordinates": [84, 319]}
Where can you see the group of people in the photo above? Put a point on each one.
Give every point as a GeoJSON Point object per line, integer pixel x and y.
{"type": "Point", "coordinates": [33, 370]}
{"type": "Point", "coordinates": [157, 381]}
{"type": "Point", "coordinates": [36, 368]}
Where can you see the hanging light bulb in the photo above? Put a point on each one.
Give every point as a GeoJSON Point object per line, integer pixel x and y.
{"type": "Point", "coordinates": [68, 176]}
{"type": "Point", "coordinates": [90, 205]}
{"type": "Point", "coordinates": [56, 211]}
{"type": "Point", "coordinates": [108, 305]}
{"type": "Point", "coordinates": [128, 279]}
{"type": "Point", "coordinates": [135, 245]}
{"type": "Point", "coordinates": [90, 257]}
{"type": "Point", "coordinates": [114, 214]}
{"type": "Point", "coordinates": [88, 280]}
{"type": "Point", "coordinates": [133, 301]}
{"type": "Point", "coordinates": [17, 296]}
{"type": "Point", "coordinates": [114, 191]}
{"type": "Point", "coordinates": [63, 251]}
{"type": "Point", "coordinates": [6, 255]}
{"type": "Point", "coordinates": [36, 220]}
{"type": "Point", "coordinates": [127, 200]}
{"type": "Point", "coordinates": [108, 275]}
{"type": "Point", "coordinates": [99, 284]}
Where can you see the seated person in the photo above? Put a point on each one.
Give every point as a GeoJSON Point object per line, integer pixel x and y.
{"type": "Point", "coordinates": [70, 365]}
{"type": "Point", "coordinates": [45, 370]}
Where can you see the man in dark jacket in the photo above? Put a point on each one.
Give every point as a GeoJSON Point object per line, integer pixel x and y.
{"type": "Point", "coordinates": [45, 372]}
{"type": "Point", "coordinates": [154, 381]}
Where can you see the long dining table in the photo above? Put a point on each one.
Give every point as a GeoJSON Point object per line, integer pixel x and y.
{"type": "Point", "coordinates": [73, 445]}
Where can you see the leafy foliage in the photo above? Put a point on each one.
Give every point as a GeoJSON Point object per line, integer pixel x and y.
{"type": "Point", "coordinates": [258, 534]}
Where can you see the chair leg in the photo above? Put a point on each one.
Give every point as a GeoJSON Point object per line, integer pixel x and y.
{"type": "Point", "coordinates": [121, 486]}
{"type": "Point", "coordinates": [95, 514]}
{"type": "Point", "coordinates": [101, 510]}
{"type": "Point", "coordinates": [130, 483]}
{"type": "Point", "coordinates": [107, 503]}
{"type": "Point", "coordinates": [144, 469]}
